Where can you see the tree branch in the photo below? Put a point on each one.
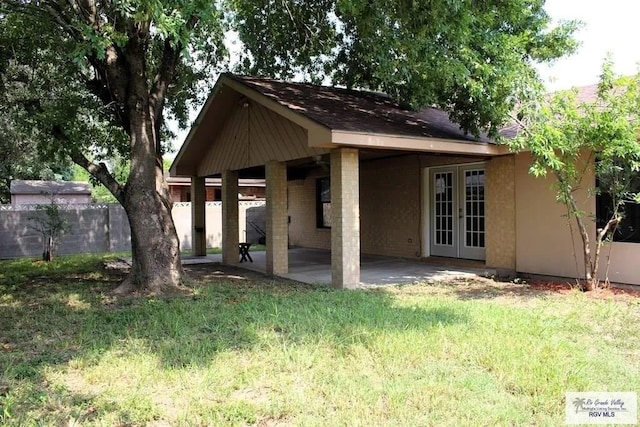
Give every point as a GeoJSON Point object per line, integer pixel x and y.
{"type": "Point", "coordinates": [166, 71]}
{"type": "Point", "coordinates": [101, 173]}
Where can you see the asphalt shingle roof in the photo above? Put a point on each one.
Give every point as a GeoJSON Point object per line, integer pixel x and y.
{"type": "Point", "coordinates": [357, 110]}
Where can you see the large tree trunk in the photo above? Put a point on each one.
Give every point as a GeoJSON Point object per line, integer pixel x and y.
{"type": "Point", "coordinates": [156, 267]}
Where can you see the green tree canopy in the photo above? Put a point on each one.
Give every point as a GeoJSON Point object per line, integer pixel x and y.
{"type": "Point", "coordinates": [91, 80]}
{"type": "Point", "coordinates": [473, 59]}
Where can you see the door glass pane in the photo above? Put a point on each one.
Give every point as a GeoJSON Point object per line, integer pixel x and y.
{"type": "Point", "coordinates": [443, 190]}
{"type": "Point", "coordinates": [474, 208]}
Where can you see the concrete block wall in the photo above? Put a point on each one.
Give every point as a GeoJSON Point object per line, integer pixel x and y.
{"type": "Point", "coordinates": [88, 232]}
{"type": "Point", "coordinates": [17, 238]}
{"type": "Point", "coordinates": [105, 228]}
{"type": "Point", "coordinates": [118, 229]}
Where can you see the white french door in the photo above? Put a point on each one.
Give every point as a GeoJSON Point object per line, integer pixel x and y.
{"type": "Point", "coordinates": [457, 221]}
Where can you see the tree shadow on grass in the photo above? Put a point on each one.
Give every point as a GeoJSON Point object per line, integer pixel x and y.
{"type": "Point", "coordinates": [52, 322]}
{"type": "Point", "coordinates": [48, 323]}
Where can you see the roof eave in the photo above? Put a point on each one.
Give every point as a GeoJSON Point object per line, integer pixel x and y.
{"type": "Point", "coordinates": [411, 143]}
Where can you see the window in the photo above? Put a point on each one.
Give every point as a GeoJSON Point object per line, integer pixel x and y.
{"type": "Point", "coordinates": [629, 229]}
{"type": "Point", "coordinates": [323, 203]}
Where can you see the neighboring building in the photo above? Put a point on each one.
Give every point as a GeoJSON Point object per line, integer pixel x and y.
{"type": "Point", "coordinates": [248, 189]}
{"type": "Point", "coordinates": [353, 171]}
{"type": "Point", "coordinates": [32, 192]}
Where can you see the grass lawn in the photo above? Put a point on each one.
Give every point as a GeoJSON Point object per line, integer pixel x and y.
{"type": "Point", "coordinates": [244, 350]}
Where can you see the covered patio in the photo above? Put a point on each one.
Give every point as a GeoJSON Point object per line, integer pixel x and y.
{"type": "Point", "coordinates": [313, 266]}
{"type": "Point", "coordinates": [349, 177]}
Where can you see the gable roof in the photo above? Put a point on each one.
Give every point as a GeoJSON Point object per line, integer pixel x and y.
{"type": "Point", "coordinates": [19, 186]}
{"type": "Point", "coordinates": [331, 117]}
{"type": "Point", "coordinates": [357, 110]}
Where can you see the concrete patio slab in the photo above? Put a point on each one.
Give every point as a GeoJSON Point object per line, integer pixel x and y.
{"type": "Point", "coordinates": [314, 266]}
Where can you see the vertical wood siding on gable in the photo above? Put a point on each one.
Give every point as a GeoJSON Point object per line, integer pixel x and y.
{"type": "Point", "coordinates": [252, 136]}
{"type": "Point", "coordinates": [229, 150]}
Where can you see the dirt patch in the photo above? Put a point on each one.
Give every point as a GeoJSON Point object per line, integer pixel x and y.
{"type": "Point", "coordinates": [213, 274]}
{"type": "Point", "coordinates": [517, 292]}
{"type": "Point", "coordinates": [620, 294]}
{"type": "Point", "coordinates": [224, 272]}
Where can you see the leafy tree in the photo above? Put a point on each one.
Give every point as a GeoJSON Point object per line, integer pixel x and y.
{"type": "Point", "coordinates": [97, 78]}
{"type": "Point", "coordinates": [94, 83]}
{"type": "Point", "coordinates": [20, 161]}
{"type": "Point", "coordinates": [570, 138]}
{"type": "Point", "coordinates": [471, 58]}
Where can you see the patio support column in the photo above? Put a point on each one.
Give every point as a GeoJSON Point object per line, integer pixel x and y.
{"type": "Point", "coordinates": [230, 221]}
{"type": "Point", "coordinates": [500, 212]}
{"type": "Point", "coordinates": [198, 216]}
{"type": "Point", "coordinates": [277, 220]}
{"type": "Point", "coordinates": [345, 218]}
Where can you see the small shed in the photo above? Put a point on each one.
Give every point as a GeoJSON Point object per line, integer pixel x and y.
{"type": "Point", "coordinates": [31, 192]}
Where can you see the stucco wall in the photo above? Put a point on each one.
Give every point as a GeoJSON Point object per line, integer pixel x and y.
{"type": "Point", "coordinates": [624, 263]}
{"type": "Point", "coordinates": [544, 244]}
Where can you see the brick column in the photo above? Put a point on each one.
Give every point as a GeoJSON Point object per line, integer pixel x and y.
{"type": "Point", "coordinates": [500, 208]}
{"type": "Point", "coordinates": [198, 219]}
{"type": "Point", "coordinates": [230, 226]}
{"type": "Point", "coordinates": [277, 223]}
{"type": "Point", "coordinates": [345, 218]}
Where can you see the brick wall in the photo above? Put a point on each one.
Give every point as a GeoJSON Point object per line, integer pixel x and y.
{"type": "Point", "coordinates": [500, 213]}
{"type": "Point", "coordinates": [391, 197]}
{"type": "Point", "coordinates": [389, 208]}
{"type": "Point", "coordinates": [303, 230]}
{"type": "Point", "coordinates": [390, 194]}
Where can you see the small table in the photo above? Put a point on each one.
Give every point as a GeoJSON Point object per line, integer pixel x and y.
{"type": "Point", "coordinates": [244, 252]}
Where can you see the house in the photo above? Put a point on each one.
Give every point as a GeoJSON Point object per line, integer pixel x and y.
{"type": "Point", "coordinates": [180, 189]}
{"type": "Point", "coordinates": [354, 172]}
{"type": "Point", "coordinates": [32, 192]}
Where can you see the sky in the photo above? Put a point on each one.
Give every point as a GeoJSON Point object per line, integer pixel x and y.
{"type": "Point", "coordinates": [609, 26]}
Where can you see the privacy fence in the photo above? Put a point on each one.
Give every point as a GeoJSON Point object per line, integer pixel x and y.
{"type": "Point", "coordinates": [105, 228]}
